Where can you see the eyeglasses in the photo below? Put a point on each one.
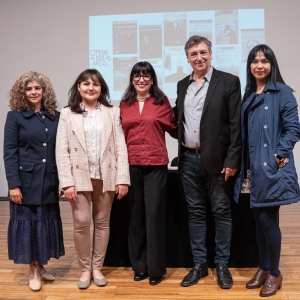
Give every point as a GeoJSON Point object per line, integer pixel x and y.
{"type": "Point", "coordinates": [137, 77]}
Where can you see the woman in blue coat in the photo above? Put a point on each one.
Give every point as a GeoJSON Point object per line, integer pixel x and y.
{"type": "Point", "coordinates": [35, 230]}
{"type": "Point", "coordinates": [270, 129]}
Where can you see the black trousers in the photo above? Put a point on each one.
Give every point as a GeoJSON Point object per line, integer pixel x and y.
{"type": "Point", "coordinates": [147, 233]}
{"type": "Point", "coordinates": [268, 235]}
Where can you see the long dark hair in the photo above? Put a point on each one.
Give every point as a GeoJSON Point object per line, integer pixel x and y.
{"type": "Point", "coordinates": [143, 67]}
{"type": "Point", "coordinates": [75, 97]}
{"type": "Point", "coordinates": [274, 75]}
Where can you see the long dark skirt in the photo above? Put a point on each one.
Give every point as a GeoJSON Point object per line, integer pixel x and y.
{"type": "Point", "coordinates": [34, 233]}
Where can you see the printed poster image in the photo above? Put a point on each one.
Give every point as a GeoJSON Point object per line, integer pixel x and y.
{"type": "Point", "coordinates": [150, 41]}
{"type": "Point", "coordinates": [175, 30]}
{"type": "Point", "coordinates": [200, 27]}
{"type": "Point", "coordinates": [124, 37]}
{"type": "Point", "coordinates": [249, 39]}
{"type": "Point", "coordinates": [226, 27]}
{"type": "Point", "coordinates": [121, 73]}
{"type": "Point", "coordinates": [158, 67]}
{"type": "Point", "coordinates": [117, 42]}
{"type": "Point", "coordinates": [175, 64]}
{"type": "Point", "coordinates": [227, 59]}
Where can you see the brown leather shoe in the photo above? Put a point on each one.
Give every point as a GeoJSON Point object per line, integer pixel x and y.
{"type": "Point", "coordinates": [257, 280]}
{"type": "Point", "coordinates": [271, 286]}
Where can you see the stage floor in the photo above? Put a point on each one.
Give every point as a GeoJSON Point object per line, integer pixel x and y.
{"type": "Point", "coordinates": [14, 282]}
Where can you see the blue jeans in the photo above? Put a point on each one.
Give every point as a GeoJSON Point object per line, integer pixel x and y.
{"type": "Point", "coordinates": [201, 187]}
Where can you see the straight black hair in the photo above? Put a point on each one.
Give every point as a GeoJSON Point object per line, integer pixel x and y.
{"type": "Point", "coordinates": [274, 75]}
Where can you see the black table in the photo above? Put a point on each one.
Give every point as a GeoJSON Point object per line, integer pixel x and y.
{"type": "Point", "coordinates": [244, 252]}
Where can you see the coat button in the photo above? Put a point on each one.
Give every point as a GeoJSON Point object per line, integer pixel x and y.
{"type": "Point", "coordinates": [75, 149]}
{"type": "Point", "coordinates": [266, 126]}
{"type": "Point", "coordinates": [109, 149]}
{"type": "Point", "coordinates": [77, 166]}
{"type": "Point", "coordinates": [266, 107]}
{"type": "Point", "coordinates": [44, 160]}
{"type": "Point", "coordinates": [109, 166]}
{"type": "Point", "coordinates": [265, 145]}
{"type": "Point", "coordinates": [265, 164]}
{"type": "Point", "coordinates": [20, 168]}
{"type": "Point", "coordinates": [44, 144]}
{"type": "Point", "coordinates": [43, 117]}
{"type": "Point", "coordinates": [46, 129]}
{"type": "Point", "coordinates": [73, 132]}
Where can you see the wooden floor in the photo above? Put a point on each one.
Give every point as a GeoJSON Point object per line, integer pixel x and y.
{"type": "Point", "coordinates": [14, 283]}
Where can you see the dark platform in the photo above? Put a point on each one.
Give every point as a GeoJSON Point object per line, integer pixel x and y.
{"type": "Point", "coordinates": [244, 252]}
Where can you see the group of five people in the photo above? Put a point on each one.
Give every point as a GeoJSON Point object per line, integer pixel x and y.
{"type": "Point", "coordinates": [91, 151]}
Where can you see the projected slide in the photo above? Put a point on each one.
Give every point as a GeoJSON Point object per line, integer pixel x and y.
{"type": "Point", "coordinates": [117, 42]}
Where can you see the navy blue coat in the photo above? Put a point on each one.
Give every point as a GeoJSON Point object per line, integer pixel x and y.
{"type": "Point", "coordinates": [29, 155]}
{"type": "Point", "coordinates": [273, 128]}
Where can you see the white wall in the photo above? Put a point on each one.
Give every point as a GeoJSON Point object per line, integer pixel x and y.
{"type": "Point", "coordinates": [51, 36]}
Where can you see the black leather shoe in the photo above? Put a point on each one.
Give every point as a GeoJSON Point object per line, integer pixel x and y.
{"type": "Point", "coordinates": [224, 277]}
{"type": "Point", "coordinates": [138, 276]}
{"type": "Point", "coordinates": [199, 271]}
{"type": "Point", "coordinates": [154, 280]}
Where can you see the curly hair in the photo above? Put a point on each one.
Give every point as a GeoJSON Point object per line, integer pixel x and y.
{"type": "Point", "coordinates": [17, 97]}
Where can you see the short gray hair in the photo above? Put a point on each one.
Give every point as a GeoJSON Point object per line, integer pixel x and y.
{"type": "Point", "coordinates": [195, 40]}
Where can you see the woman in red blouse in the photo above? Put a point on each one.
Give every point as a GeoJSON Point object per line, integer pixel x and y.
{"type": "Point", "coordinates": [146, 115]}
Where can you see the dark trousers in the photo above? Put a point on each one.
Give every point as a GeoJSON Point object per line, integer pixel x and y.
{"type": "Point", "coordinates": [268, 238]}
{"type": "Point", "coordinates": [200, 188]}
{"type": "Point", "coordinates": [146, 238]}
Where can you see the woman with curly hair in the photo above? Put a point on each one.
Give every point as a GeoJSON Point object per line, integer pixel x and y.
{"type": "Point", "coordinates": [35, 229]}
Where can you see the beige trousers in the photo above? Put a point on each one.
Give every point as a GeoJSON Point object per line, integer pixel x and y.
{"type": "Point", "coordinates": [100, 203]}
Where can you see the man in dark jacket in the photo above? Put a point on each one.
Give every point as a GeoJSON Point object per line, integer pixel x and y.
{"type": "Point", "coordinates": [208, 109]}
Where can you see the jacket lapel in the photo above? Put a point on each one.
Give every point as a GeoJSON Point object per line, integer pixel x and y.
{"type": "Point", "coordinates": [106, 117]}
{"type": "Point", "coordinates": [77, 125]}
{"type": "Point", "coordinates": [211, 88]}
{"type": "Point", "coordinates": [181, 97]}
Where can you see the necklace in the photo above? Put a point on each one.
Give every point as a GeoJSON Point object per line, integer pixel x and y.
{"type": "Point", "coordinates": [142, 99]}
